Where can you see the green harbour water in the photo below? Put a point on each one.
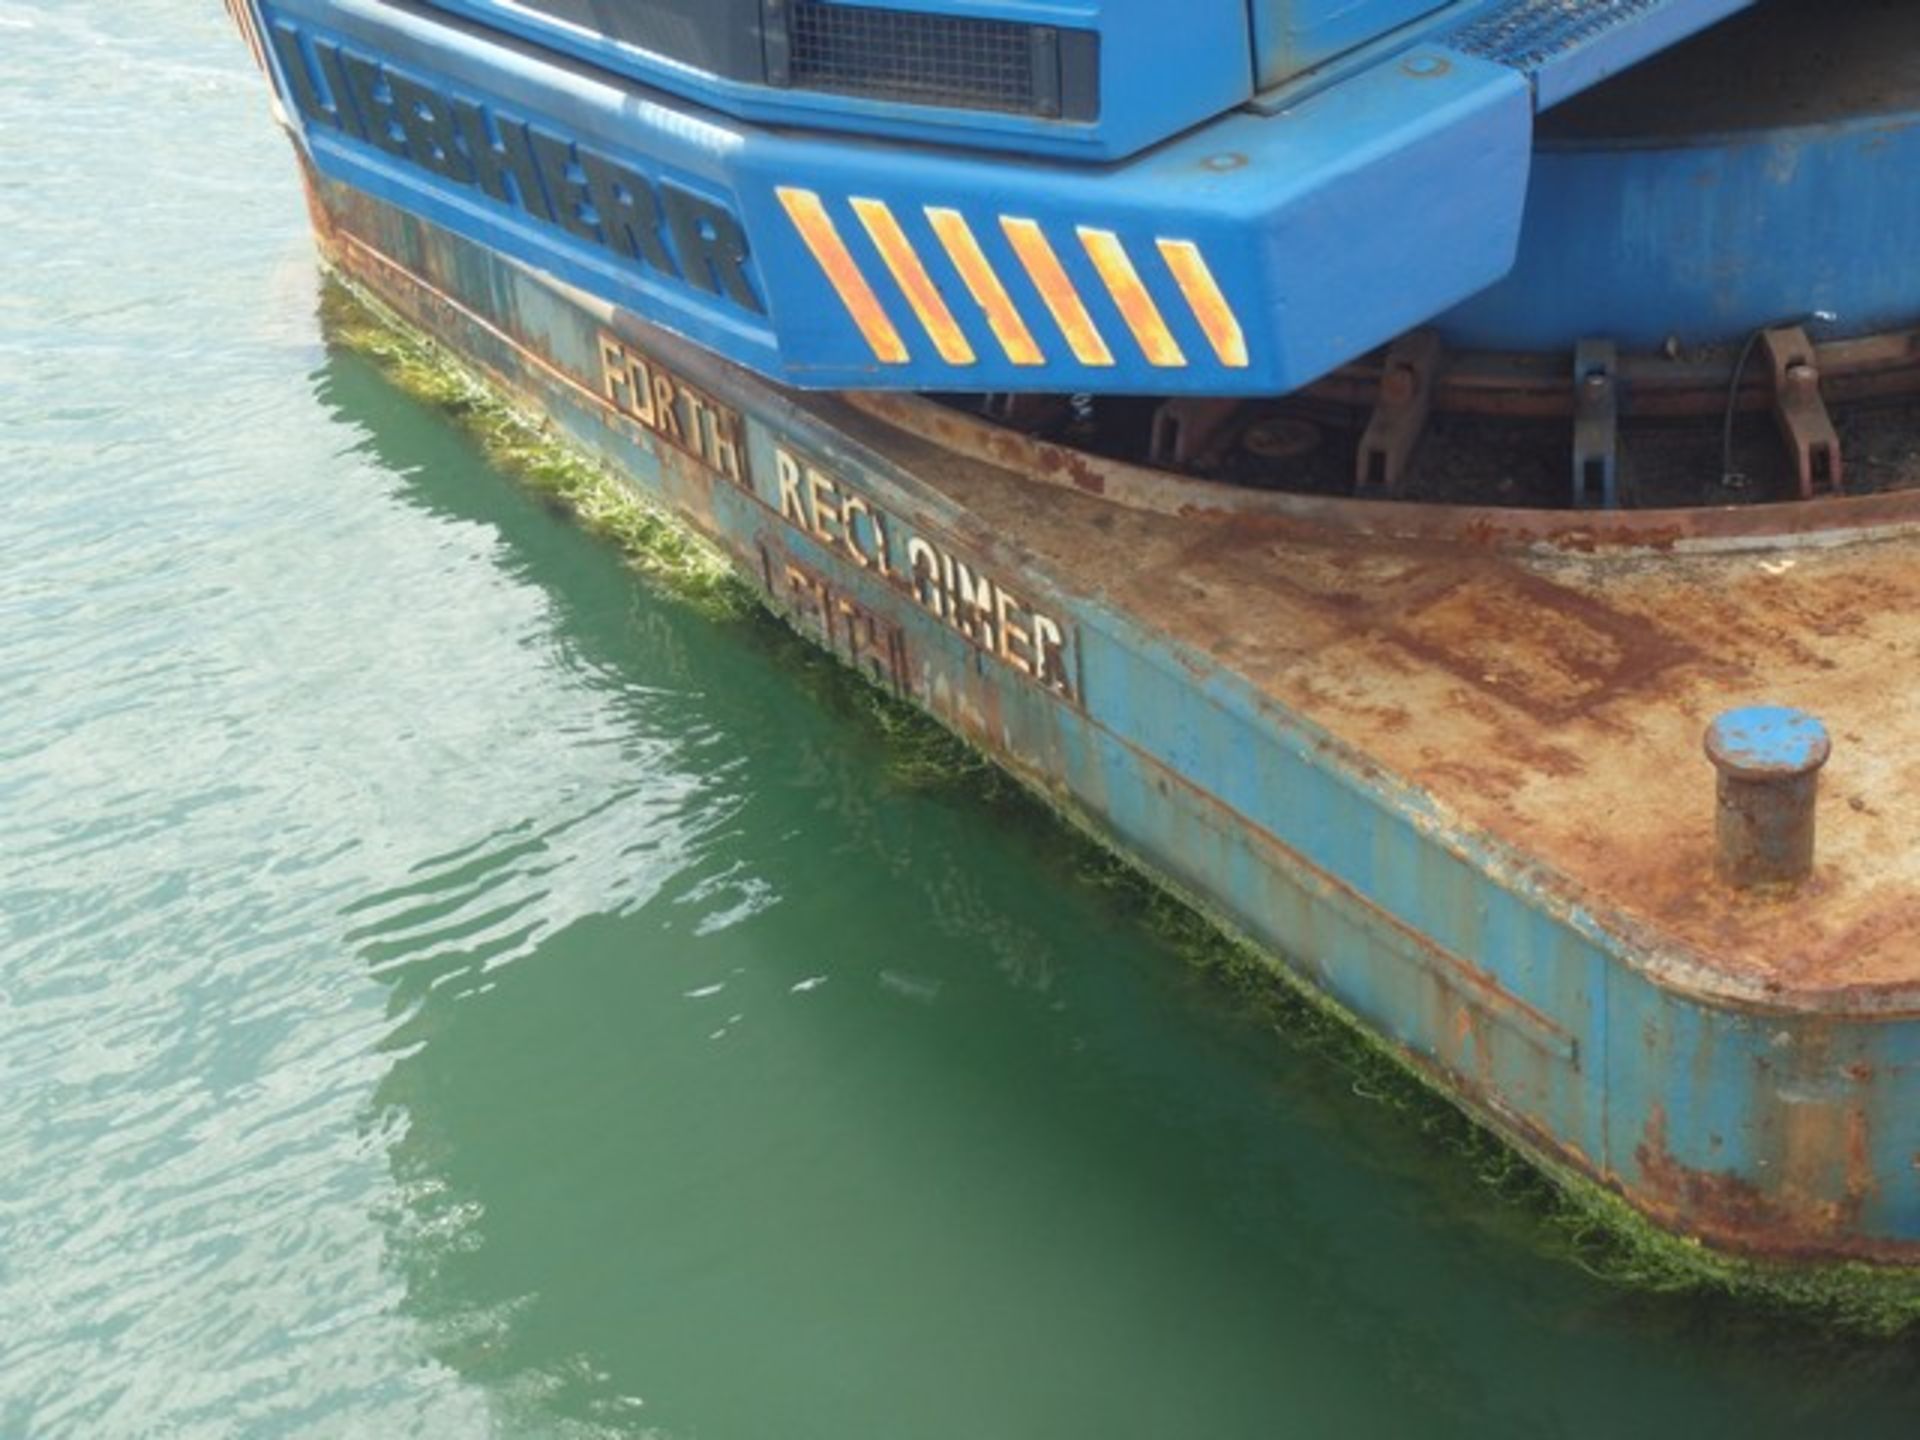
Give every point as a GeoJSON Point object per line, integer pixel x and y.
{"type": "Point", "coordinates": [449, 988]}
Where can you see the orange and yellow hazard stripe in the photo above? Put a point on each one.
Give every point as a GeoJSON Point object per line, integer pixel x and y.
{"type": "Point", "coordinates": [1116, 267]}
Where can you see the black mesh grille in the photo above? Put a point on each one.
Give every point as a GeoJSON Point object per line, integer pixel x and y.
{"type": "Point", "coordinates": [925, 59]}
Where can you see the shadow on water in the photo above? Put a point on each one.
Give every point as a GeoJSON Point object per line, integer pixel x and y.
{"type": "Point", "coordinates": [796, 1100]}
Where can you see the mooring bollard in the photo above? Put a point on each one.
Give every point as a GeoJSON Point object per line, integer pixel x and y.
{"type": "Point", "coordinates": [1769, 759]}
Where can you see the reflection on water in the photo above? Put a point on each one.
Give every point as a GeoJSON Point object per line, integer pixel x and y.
{"type": "Point", "coordinates": [446, 991]}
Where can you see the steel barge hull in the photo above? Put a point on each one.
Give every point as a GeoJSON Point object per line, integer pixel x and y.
{"type": "Point", "coordinates": [1444, 766]}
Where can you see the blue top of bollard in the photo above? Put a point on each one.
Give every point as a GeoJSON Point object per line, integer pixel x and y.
{"type": "Point", "coordinates": [1767, 742]}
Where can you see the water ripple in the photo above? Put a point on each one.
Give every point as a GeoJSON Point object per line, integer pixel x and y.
{"type": "Point", "coordinates": [245, 679]}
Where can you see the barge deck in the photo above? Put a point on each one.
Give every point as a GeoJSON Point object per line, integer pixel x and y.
{"type": "Point", "coordinates": [1445, 766]}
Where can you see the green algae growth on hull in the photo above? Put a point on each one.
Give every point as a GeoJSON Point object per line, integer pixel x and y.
{"type": "Point", "coordinates": [1483, 1177]}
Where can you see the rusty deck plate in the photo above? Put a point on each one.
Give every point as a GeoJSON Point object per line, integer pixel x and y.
{"type": "Point", "coordinates": [1545, 676]}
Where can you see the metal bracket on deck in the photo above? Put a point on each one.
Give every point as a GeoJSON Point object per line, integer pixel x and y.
{"type": "Point", "coordinates": [1596, 425]}
{"type": "Point", "coordinates": [1399, 413]}
{"type": "Point", "coordinates": [1185, 430]}
{"type": "Point", "coordinates": [1812, 442]}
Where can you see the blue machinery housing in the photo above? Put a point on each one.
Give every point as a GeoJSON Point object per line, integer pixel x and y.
{"type": "Point", "coordinates": [1433, 780]}
{"type": "Point", "coordinates": [1248, 254]}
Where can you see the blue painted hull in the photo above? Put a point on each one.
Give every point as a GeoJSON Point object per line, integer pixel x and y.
{"type": "Point", "coordinates": [1596, 1027]}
